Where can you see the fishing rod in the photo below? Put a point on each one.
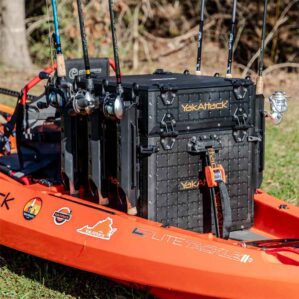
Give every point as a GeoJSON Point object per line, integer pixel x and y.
{"type": "Point", "coordinates": [84, 101]}
{"type": "Point", "coordinates": [61, 70]}
{"type": "Point", "coordinates": [126, 155]}
{"type": "Point", "coordinates": [260, 79]}
{"type": "Point", "coordinates": [115, 49]}
{"type": "Point", "coordinates": [231, 41]}
{"type": "Point", "coordinates": [114, 105]}
{"type": "Point", "coordinates": [200, 37]}
{"type": "Point", "coordinates": [84, 45]}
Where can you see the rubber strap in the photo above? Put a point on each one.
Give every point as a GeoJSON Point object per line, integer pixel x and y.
{"type": "Point", "coordinates": [226, 209]}
{"type": "Point", "coordinates": [16, 94]}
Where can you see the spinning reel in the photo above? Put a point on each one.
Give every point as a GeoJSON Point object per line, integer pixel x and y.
{"type": "Point", "coordinates": [278, 106]}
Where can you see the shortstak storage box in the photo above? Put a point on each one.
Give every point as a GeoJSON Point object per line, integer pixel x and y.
{"type": "Point", "coordinates": [173, 109]}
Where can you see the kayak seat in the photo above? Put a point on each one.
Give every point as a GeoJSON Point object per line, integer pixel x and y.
{"type": "Point", "coordinates": [38, 139]}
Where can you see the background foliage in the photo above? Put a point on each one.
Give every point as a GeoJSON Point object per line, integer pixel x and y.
{"type": "Point", "coordinates": [150, 30]}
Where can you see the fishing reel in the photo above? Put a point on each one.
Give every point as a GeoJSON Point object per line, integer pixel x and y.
{"type": "Point", "coordinates": [83, 99]}
{"type": "Point", "coordinates": [113, 106]}
{"type": "Point", "coordinates": [84, 102]}
{"type": "Point", "coordinates": [278, 106]}
{"type": "Point", "coordinates": [58, 91]}
{"type": "Point", "coordinates": [112, 103]}
{"type": "Point", "coordinates": [57, 97]}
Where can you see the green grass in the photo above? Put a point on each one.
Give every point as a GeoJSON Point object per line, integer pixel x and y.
{"type": "Point", "coordinates": [282, 157]}
{"type": "Point", "coordinates": [24, 276]}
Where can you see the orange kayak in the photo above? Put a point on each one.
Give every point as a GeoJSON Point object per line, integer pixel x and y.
{"type": "Point", "coordinates": [5, 113]}
{"type": "Point", "coordinates": [6, 109]}
{"type": "Point", "coordinates": [169, 262]}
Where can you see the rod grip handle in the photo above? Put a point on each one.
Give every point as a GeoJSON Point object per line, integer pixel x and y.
{"type": "Point", "coordinates": [259, 85]}
{"type": "Point", "coordinates": [61, 70]}
{"type": "Point", "coordinates": [198, 73]}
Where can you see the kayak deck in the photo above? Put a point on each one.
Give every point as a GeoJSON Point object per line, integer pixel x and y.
{"type": "Point", "coordinates": [135, 250]}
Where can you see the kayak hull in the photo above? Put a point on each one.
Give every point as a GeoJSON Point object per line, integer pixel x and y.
{"type": "Point", "coordinates": [169, 262]}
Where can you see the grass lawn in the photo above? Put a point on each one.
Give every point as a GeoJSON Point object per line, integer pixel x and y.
{"type": "Point", "coordinates": [282, 157]}
{"type": "Point", "coordinates": [24, 276]}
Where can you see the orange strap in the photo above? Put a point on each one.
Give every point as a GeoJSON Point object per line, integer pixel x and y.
{"type": "Point", "coordinates": [214, 173]}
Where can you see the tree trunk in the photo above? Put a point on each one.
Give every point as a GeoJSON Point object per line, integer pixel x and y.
{"type": "Point", "coordinates": [13, 44]}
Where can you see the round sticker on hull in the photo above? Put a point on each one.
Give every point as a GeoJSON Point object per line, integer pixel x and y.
{"type": "Point", "coordinates": [62, 215]}
{"type": "Point", "coordinates": [32, 208]}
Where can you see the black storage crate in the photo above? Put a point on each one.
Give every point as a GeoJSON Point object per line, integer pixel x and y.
{"type": "Point", "coordinates": [173, 108]}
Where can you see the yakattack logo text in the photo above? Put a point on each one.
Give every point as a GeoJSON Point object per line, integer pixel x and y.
{"type": "Point", "coordinates": [205, 106]}
{"type": "Point", "coordinates": [102, 230]}
{"type": "Point", "coordinates": [191, 184]}
{"type": "Point", "coordinates": [193, 245]}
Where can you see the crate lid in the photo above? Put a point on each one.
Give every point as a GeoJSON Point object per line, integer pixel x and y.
{"type": "Point", "coordinates": [179, 81]}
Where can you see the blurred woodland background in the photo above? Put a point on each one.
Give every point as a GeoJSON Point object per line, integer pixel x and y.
{"type": "Point", "coordinates": [151, 32]}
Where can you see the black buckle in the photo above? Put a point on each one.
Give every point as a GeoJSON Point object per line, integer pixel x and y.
{"type": "Point", "coordinates": [168, 133]}
{"type": "Point", "coordinates": [201, 145]}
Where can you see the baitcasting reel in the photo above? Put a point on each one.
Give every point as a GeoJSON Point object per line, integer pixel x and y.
{"type": "Point", "coordinates": [84, 102]}
{"type": "Point", "coordinates": [278, 106]}
{"type": "Point", "coordinates": [113, 106]}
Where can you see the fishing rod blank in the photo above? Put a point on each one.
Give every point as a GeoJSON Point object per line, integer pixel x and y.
{"type": "Point", "coordinates": [115, 46]}
{"type": "Point", "coordinates": [125, 130]}
{"type": "Point", "coordinates": [231, 41]}
{"type": "Point", "coordinates": [84, 40]}
{"type": "Point", "coordinates": [260, 83]}
{"type": "Point", "coordinates": [61, 70]}
{"type": "Point", "coordinates": [200, 38]}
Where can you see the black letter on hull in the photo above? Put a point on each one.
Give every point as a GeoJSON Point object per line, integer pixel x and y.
{"type": "Point", "coordinates": [6, 200]}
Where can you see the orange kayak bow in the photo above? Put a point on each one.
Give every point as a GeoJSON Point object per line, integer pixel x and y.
{"type": "Point", "coordinates": [170, 262]}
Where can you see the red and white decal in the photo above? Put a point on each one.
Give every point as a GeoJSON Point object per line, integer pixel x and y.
{"type": "Point", "coordinates": [62, 215]}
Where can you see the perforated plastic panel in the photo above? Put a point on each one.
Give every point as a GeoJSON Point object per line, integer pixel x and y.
{"type": "Point", "coordinates": [175, 185]}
